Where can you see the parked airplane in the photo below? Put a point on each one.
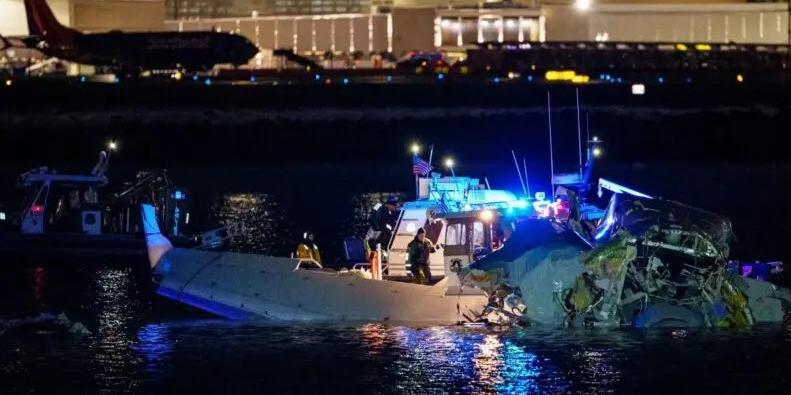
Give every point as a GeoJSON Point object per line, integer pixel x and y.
{"type": "Point", "coordinates": [135, 51]}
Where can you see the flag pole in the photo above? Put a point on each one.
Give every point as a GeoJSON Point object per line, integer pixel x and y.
{"type": "Point", "coordinates": [417, 177]}
{"type": "Point", "coordinates": [430, 154]}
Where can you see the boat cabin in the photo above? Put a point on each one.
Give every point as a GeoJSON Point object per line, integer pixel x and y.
{"type": "Point", "coordinates": [461, 216]}
{"type": "Point", "coordinates": [61, 202]}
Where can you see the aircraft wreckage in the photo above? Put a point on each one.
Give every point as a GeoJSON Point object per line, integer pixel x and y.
{"type": "Point", "coordinates": [647, 262]}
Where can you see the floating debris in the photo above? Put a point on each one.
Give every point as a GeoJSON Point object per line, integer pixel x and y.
{"type": "Point", "coordinates": [653, 263]}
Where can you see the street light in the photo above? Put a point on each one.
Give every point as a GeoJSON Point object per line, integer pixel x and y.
{"type": "Point", "coordinates": [449, 164]}
{"type": "Point", "coordinates": [582, 5]}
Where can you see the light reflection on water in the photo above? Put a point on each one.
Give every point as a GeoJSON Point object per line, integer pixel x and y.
{"type": "Point", "coordinates": [254, 222]}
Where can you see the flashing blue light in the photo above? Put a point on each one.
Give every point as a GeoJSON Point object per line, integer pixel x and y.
{"type": "Point", "coordinates": [496, 80]}
{"type": "Point", "coordinates": [316, 77]}
{"type": "Point", "coordinates": [440, 76]}
{"type": "Point", "coordinates": [345, 80]}
{"type": "Point", "coordinates": [389, 78]}
{"type": "Point", "coordinates": [518, 204]}
{"type": "Point", "coordinates": [207, 81]}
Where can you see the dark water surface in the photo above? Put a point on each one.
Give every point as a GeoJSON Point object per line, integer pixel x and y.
{"type": "Point", "coordinates": [141, 343]}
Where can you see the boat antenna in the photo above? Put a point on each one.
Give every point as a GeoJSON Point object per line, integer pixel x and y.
{"type": "Point", "coordinates": [527, 181]}
{"type": "Point", "coordinates": [519, 173]}
{"type": "Point", "coordinates": [551, 155]}
{"type": "Point", "coordinates": [579, 131]}
{"type": "Point", "coordinates": [486, 179]}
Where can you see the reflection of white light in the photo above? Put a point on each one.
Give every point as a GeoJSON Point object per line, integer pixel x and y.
{"type": "Point", "coordinates": [487, 215]}
{"type": "Point", "coordinates": [498, 23]}
{"type": "Point", "coordinates": [638, 89]}
{"type": "Point", "coordinates": [510, 23]}
{"type": "Point", "coordinates": [415, 149]}
{"type": "Point", "coordinates": [484, 23]}
{"type": "Point", "coordinates": [445, 23]}
{"type": "Point", "coordinates": [597, 152]}
{"type": "Point", "coordinates": [457, 26]}
{"type": "Point", "coordinates": [582, 5]}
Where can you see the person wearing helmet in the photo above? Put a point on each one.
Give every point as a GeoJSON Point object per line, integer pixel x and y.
{"type": "Point", "coordinates": [307, 248]}
{"type": "Point", "coordinates": [418, 252]}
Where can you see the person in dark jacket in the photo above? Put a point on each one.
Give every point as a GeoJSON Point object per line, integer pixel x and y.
{"type": "Point", "coordinates": [418, 252]}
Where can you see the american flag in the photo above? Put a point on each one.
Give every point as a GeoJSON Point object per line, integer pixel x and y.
{"type": "Point", "coordinates": [420, 167]}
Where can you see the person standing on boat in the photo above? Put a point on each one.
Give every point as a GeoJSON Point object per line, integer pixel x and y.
{"type": "Point", "coordinates": [418, 252]}
{"type": "Point", "coordinates": [307, 248]}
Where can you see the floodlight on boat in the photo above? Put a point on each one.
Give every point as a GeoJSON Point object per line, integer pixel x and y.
{"type": "Point", "coordinates": [486, 215]}
{"type": "Point", "coordinates": [449, 163]}
{"type": "Point", "coordinates": [597, 152]}
{"type": "Point", "coordinates": [112, 145]}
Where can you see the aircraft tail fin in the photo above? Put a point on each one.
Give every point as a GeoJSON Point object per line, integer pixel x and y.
{"type": "Point", "coordinates": [156, 243]}
{"type": "Point", "coordinates": [42, 22]}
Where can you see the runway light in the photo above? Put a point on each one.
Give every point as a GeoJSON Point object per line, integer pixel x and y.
{"type": "Point", "coordinates": [739, 78]}
{"type": "Point", "coordinates": [597, 152]}
{"type": "Point", "coordinates": [638, 89]}
{"type": "Point", "coordinates": [486, 215]}
{"type": "Point", "coordinates": [415, 148]}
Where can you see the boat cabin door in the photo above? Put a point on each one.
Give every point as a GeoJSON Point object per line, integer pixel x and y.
{"type": "Point", "coordinates": [33, 216]}
{"type": "Point", "coordinates": [465, 239]}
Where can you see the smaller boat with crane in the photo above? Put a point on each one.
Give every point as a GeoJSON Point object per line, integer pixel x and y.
{"type": "Point", "coordinates": [71, 214]}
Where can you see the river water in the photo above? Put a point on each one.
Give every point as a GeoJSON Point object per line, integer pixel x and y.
{"type": "Point", "coordinates": [141, 343]}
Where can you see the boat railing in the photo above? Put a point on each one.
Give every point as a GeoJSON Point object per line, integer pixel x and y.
{"type": "Point", "coordinates": [312, 261]}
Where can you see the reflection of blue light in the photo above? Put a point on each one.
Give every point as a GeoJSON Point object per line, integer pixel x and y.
{"type": "Point", "coordinates": [179, 195]}
{"type": "Point", "coordinates": [153, 344]}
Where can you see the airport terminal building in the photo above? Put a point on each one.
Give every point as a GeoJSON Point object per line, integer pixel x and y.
{"type": "Point", "coordinates": [399, 26]}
